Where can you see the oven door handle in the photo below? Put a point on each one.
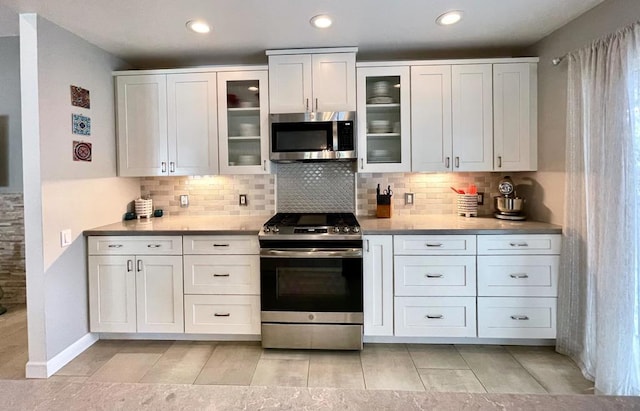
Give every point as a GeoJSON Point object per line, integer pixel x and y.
{"type": "Point", "coordinates": [311, 253]}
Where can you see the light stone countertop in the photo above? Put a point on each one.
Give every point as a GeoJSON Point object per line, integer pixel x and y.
{"type": "Point", "coordinates": [452, 224]}
{"type": "Point", "coordinates": [251, 225]}
{"type": "Point", "coordinates": [181, 225]}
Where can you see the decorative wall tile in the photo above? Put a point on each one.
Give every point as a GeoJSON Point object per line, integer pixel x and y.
{"type": "Point", "coordinates": [12, 271]}
{"type": "Point", "coordinates": [211, 195]}
{"type": "Point", "coordinates": [316, 187]}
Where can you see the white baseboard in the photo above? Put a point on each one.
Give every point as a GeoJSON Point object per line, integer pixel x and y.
{"type": "Point", "coordinates": [458, 340]}
{"type": "Point", "coordinates": [40, 369]}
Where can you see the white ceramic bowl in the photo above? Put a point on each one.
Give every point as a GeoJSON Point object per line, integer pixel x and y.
{"type": "Point", "coordinates": [248, 129]}
{"type": "Point", "coordinates": [247, 159]}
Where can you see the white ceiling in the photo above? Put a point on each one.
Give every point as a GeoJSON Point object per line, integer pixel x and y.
{"type": "Point", "coordinates": [152, 32]}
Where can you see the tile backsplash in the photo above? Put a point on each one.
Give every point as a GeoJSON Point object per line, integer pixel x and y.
{"type": "Point", "coordinates": [326, 187]}
{"type": "Point", "coordinates": [317, 187]}
{"type": "Point", "coordinates": [211, 195]}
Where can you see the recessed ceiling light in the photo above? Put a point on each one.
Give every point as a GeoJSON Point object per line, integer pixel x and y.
{"type": "Point", "coordinates": [198, 26]}
{"type": "Point", "coordinates": [450, 17]}
{"type": "Point", "coordinates": [321, 21]}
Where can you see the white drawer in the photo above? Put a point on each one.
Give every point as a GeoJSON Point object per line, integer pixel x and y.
{"type": "Point", "coordinates": [217, 244]}
{"type": "Point", "coordinates": [435, 316]}
{"type": "Point", "coordinates": [222, 314]}
{"type": "Point", "coordinates": [519, 244]}
{"type": "Point", "coordinates": [138, 245]}
{"type": "Point", "coordinates": [435, 275]}
{"type": "Point", "coordinates": [507, 317]}
{"type": "Point", "coordinates": [222, 274]}
{"type": "Point", "coordinates": [525, 276]}
{"type": "Point", "coordinates": [434, 244]}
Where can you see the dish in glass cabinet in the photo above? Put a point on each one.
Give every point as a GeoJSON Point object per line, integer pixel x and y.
{"type": "Point", "coordinates": [380, 100]}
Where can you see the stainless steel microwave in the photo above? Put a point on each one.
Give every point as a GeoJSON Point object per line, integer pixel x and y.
{"type": "Point", "coordinates": [313, 136]}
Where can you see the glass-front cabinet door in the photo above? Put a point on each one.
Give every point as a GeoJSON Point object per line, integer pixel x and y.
{"type": "Point", "coordinates": [384, 130]}
{"type": "Point", "coordinates": [243, 122]}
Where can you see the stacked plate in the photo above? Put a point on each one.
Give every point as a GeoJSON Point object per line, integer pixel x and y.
{"type": "Point", "coordinates": [379, 126]}
{"type": "Point", "coordinates": [247, 159]}
{"type": "Point", "coordinates": [380, 93]}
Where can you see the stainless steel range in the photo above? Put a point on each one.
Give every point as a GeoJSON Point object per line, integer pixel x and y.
{"type": "Point", "coordinates": [311, 281]}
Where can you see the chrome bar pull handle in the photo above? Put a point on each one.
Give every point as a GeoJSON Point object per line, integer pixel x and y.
{"type": "Point", "coordinates": [447, 162]}
{"type": "Point", "coordinates": [519, 244]}
{"type": "Point", "coordinates": [499, 161]}
{"type": "Point", "coordinates": [222, 315]}
{"type": "Point", "coordinates": [139, 264]}
{"type": "Point", "coordinates": [362, 164]}
{"type": "Point", "coordinates": [307, 105]}
{"type": "Point", "coordinates": [221, 245]}
{"type": "Point", "coordinates": [367, 245]}
{"type": "Point", "coordinates": [519, 317]}
{"type": "Point", "coordinates": [264, 165]}
{"type": "Point", "coordinates": [457, 162]}
{"type": "Point", "coordinates": [221, 275]}
{"type": "Point", "coordinates": [433, 244]}
{"type": "Point", "coordinates": [434, 275]}
{"type": "Point", "coordinates": [316, 103]}
{"type": "Point", "coordinates": [129, 266]}
{"type": "Point", "coordinates": [172, 167]}
{"type": "Point", "coordinates": [114, 246]}
{"type": "Point", "coordinates": [434, 317]}
{"type": "Point", "coordinates": [163, 166]}
{"type": "Point", "coordinates": [154, 245]}
{"type": "Point", "coordinates": [518, 275]}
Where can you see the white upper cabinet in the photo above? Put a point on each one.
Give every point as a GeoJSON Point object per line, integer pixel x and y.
{"type": "Point", "coordinates": [243, 122]}
{"type": "Point", "coordinates": [452, 118]}
{"type": "Point", "coordinates": [431, 118]}
{"type": "Point", "coordinates": [142, 125]}
{"type": "Point", "coordinates": [515, 117]}
{"type": "Point", "coordinates": [472, 117]}
{"type": "Point", "coordinates": [312, 82]}
{"type": "Point", "coordinates": [384, 130]}
{"type": "Point", "coordinates": [192, 124]}
{"type": "Point", "coordinates": [167, 124]}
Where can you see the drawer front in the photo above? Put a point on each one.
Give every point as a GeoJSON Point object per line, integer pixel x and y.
{"type": "Point", "coordinates": [139, 245]}
{"type": "Point", "coordinates": [519, 244]}
{"type": "Point", "coordinates": [223, 274]}
{"type": "Point", "coordinates": [434, 244]}
{"type": "Point", "coordinates": [525, 276]}
{"type": "Point", "coordinates": [506, 317]}
{"type": "Point", "coordinates": [435, 316]}
{"type": "Point", "coordinates": [213, 244]}
{"type": "Point", "coordinates": [222, 314]}
{"type": "Point", "coordinates": [435, 275]}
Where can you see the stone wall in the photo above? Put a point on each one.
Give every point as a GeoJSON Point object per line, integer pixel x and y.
{"type": "Point", "coordinates": [12, 272]}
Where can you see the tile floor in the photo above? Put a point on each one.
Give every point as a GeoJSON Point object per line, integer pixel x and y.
{"type": "Point", "coordinates": [405, 367]}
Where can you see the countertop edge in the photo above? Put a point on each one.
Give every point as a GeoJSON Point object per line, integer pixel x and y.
{"type": "Point", "coordinates": [454, 231]}
{"type": "Point", "coordinates": [88, 233]}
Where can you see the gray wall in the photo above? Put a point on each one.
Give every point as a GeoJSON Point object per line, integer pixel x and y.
{"type": "Point", "coordinates": [552, 99]}
{"type": "Point", "coordinates": [61, 193]}
{"type": "Point", "coordinates": [10, 134]}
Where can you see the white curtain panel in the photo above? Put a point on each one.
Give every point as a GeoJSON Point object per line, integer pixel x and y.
{"type": "Point", "coordinates": [599, 289]}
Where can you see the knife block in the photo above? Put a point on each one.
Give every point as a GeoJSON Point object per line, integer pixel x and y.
{"type": "Point", "coordinates": [384, 206]}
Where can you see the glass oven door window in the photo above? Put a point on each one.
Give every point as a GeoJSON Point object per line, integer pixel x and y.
{"type": "Point", "coordinates": [319, 285]}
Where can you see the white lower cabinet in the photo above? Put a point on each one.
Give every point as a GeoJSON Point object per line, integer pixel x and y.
{"type": "Point", "coordinates": [135, 293]}
{"type": "Point", "coordinates": [435, 275]}
{"type": "Point", "coordinates": [518, 285]}
{"type": "Point", "coordinates": [378, 285]}
{"type": "Point", "coordinates": [435, 316]}
{"type": "Point", "coordinates": [510, 317]}
{"type": "Point", "coordinates": [222, 314]}
{"type": "Point", "coordinates": [222, 284]}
